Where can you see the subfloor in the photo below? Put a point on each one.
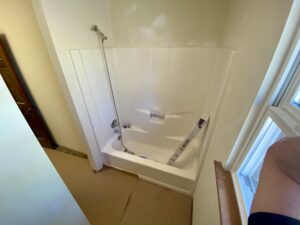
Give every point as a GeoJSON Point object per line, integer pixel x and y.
{"type": "Point", "coordinates": [112, 197]}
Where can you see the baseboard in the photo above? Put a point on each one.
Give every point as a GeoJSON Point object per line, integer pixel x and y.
{"type": "Point", "coordinates": [71, 152]}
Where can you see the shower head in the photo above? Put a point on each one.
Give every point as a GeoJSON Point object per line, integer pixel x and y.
{"type": "Point", "coordinates": [98, 32]}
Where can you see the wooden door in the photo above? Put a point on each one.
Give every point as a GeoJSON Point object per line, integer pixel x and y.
{"type": "Point", "coordinates": [15, 82]}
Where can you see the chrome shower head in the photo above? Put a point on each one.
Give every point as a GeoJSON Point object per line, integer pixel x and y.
{"type": "Point", "coordinates": [94, 28]}
{"type": "Point", "coordinates": [99, 32]}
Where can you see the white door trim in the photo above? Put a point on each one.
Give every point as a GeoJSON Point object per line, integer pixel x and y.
{"type": "Point", "coordinates": [71, 88]}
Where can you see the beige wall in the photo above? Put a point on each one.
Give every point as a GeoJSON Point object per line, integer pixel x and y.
{"type": "Point", "coordinates": [168, 22]}
{"type": "Point", "coordinates": [253, 30]}
{"type": "Point", "coordinates": [18, 23]}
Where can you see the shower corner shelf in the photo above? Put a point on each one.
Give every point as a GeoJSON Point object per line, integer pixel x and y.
{"type": "Point", "coordinates": [173, 116]}
{"type": "Point", "coordinates": [175, 138]}
{"type": "Point", "coordinates": [158, 122]}
{"type": "Point", "coordinates": [166, 116]}
{"type": "Point", "coordinates": [137, 129]}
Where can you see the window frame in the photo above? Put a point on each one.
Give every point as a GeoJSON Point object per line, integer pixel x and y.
{"type": "Point", "coordinates": [288, 125]}
{"type": "Point", "coordinates": [253, 160]}
{"type": "Point", "coordinates": [294, 90]}
{"type": "Point", "coordinates": [275, 118]}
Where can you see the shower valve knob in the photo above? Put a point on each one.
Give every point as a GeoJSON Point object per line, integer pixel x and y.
{"type": "Point", "coordinates": [114, 123]}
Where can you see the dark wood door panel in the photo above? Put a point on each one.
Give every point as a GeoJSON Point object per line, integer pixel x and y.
{"type": "Point", "coordinates": [13, 84]}
{"type": "Point", "coordinates": [32, 117]}
{"type": "Point", "coordinates": [21, 94]}
{"type": "Point", "coordinates": [2, 64]}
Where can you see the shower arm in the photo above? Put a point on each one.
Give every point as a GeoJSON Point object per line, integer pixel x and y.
{"type": "Point", "coordinates": [103, 37]}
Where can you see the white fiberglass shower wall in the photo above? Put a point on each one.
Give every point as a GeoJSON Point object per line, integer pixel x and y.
{"type": "Point", "coordinates": [163, 56]}
{"type": "Point", "coordinates": [174, 82]}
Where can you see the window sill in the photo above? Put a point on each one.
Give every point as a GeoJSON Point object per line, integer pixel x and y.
{"type": "Point", "coordinates": [228, 205]}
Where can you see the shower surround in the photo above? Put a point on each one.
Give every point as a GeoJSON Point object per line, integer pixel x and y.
{"type": "Point", "coordinates": [180, 83]}
{"type": "Point", "coordinates": [168, 69]}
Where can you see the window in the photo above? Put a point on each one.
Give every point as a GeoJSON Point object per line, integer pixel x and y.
{"type": "Point", "coordinates": [282, 119]}
{"type": "Point", "coordinates": [296, 99]}
{"type": "Point", "coordinates": [248, 174]}
{"type": "Point", "coordinates": [290, 99]}
{"type": "Point", "coordinates": [277, 124]}
{"type": "Point", "coordinates": [291, 102]}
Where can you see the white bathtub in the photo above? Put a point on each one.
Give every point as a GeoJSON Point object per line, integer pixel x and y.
{"type": "Point", "coordinates": [180, 177]}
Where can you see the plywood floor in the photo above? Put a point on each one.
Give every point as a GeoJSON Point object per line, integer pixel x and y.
{"type": "Point", "coordinates": [112, 197]}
